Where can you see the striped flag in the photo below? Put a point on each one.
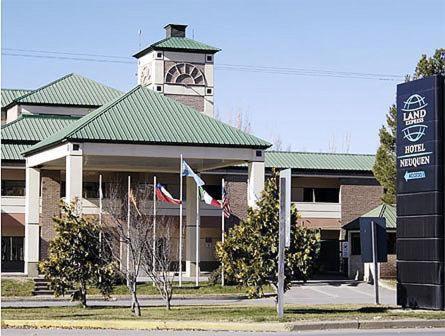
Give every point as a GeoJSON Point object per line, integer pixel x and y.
{"type": "Point", "coordinates": [207, 198]}
{"type": "Point", "coordinates": [164, 196]}
{"type": "Point", "coordinates": [225, 202]}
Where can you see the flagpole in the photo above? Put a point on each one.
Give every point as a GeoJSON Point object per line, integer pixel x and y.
{"type": "Point", "coordinates": [180, 223]}
{"type": "Point", "coordinates": [154, 224]}
{"type": "Point", "coordinates": [197, 236]}
{"type": "Point", "coordinates": [128, 229]}
{"type": "Point", "coordinates": [222, 227]}
{"type": "Point", "coordinates": [100, 219]}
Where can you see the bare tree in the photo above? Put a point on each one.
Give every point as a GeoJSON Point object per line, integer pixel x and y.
{"type": "Point", "coordinates": [345, 146]}
{"type": "Point", "coordinates": [159, 265]}
{"type": "Point", "coordinates": [127, 239]}
{"type": "Point", "coordinates": [148, 244]}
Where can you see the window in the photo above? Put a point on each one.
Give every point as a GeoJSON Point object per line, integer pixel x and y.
{"type": "Point", "coordinates": [308, 195]}
{"type": "Point", "coordinates": [323, 195]}
{"type": "Point", "coordinates": [355, 244]}
{"type": "Point", "coordinates": [159, 88]}
{"type": "Point", "coordinates": [213, 190]}
{"type": "Point", "coordinates": [209, 91]}
{"type": "Point", "coordinates": [391, 239]}
{"type": "Point", "coordinates": [209, 58]}
{"type": "Point", "coordinates": [328, 195]}
{"type": "Point", "coordinates": [13, 188]}
{"type": "Point", "coordinates": [159, 55]}
{"type": "Point", "coordinates": [90, 190]}
{"type": "Point", "coordinates": [12, 249]}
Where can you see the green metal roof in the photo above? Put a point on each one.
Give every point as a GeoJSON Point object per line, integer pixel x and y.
{"type": "Point", "coordinates": [70, 90]}
{"type": "Point", "coordinates": [29, 127]}
{"type": "Point", "coordinates": [384, 210]}
{"type": "Point", "coordinates": [8, 95]}
{"type": "Point", "coordinates": [12, 151]}
{"type": "Point", "coordinates": [143, 116]}
{"type": "Point", "coordinates": [178, 43]}
{"type": "Point", "coordinates": [319, 161]}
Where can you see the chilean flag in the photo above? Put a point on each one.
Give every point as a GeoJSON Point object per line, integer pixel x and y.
{"type": "Point", "coordinates": [164, 196]}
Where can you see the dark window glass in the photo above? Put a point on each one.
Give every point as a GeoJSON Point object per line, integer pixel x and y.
{"type": "Point", "coordinates": [12, 248]}
{"type": "Point", "coordinates": [328, 195]}
{"type": "Point", "coordinates": [90, 190]}
{"type": "Point", "coordinates": [213, 190]}
{"type": "Point", "coordinates": [308, 195]}
{"type": "Point", "coordinates": [391, 236]}
{"type": "Point", "coordinates": [13, 188]}
{"type": "Point", "coordinates": [355, 244]}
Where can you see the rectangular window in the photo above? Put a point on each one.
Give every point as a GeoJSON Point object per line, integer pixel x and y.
{"type": "Point", "coordinates": [12, 249]}
{"type": "Point", "coordinates": [327, 195]}
{"type": "Point", "coordinates": [308, 195]}
{"type": "Point", "coordinates": [213, 190]}
{"type": "Point", "coordinates": [13, 188]}
{"type": "Point", "coordinates": [355, 244]}
{"type": "Point", "coordinates": [90, 190]}
{"type": "Point", "coordinates": [391, 239]}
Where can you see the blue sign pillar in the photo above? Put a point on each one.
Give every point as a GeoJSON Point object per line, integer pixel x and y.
{"type": "Point", "coordinates": [420, 193]}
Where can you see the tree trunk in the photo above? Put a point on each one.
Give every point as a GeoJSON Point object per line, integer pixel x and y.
{"type": "Point", "coordinates": [135, 306]}
{"type": "Point", "coordinates": [83, 295]}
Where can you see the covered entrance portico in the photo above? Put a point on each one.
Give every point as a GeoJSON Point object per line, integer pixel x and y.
{"type": "Point", "coordinates": [141, 131]}
{"type": "Point", "coordinates": [77, 159]}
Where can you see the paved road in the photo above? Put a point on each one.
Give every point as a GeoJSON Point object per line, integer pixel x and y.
{"type": "Point", "coordinates": [312, 293]}
{"type": "Point", "coordinates": [86, 332]}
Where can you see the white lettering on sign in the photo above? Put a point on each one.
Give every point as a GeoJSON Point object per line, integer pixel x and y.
{"type": "Point", "coordinates": [414, 117]}
{"type": "Point", "coordinates": [414, 148]}
{"type": "Point", "coordinates": [415, 161]}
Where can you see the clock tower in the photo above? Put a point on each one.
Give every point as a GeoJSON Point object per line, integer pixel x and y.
{"type": "Point", "coordinates": [180, 68]}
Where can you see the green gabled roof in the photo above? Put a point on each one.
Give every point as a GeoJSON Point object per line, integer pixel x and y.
{"type": "Point", "coordinates": [143, 116]}
{"type": "Point", "coordinates": [384, 210]}
{"type": "Point", "coordinates": [8, 95]}
{"type": "Point", "coordinates": [178, 43]}
{"type": "Point", "coordinates": [70, 90]}
{"type": "Point", "coordinates": [34, 128]}
{"type": "Point", "coordinates": [319, 161]}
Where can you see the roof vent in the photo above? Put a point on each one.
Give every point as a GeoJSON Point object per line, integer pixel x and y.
{"type": "Point", "coordinates": [175, 30]}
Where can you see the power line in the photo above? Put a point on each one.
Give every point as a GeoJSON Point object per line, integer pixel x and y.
{"type": "Point", "coordinates": [100, 58]}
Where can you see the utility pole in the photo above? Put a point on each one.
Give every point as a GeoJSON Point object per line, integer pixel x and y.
{"type": "Point", "coordinates": [281, 245]}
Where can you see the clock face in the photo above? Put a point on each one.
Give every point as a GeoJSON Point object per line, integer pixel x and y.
{"type": "Point", "coordinates": [145, 75]}
{"type": "Point", "coordinates": [185, 73]}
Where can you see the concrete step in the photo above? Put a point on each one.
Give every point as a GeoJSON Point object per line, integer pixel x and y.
{"type": "Point", "coordinates": [41, 287]}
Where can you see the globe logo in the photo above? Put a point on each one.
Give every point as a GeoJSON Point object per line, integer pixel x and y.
{"type": "Point", "coordinates": [414, 102]}
{"type": "Point", "coordinates": [414, 133]}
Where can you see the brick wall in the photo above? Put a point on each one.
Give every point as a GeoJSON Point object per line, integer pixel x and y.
{"type": "Point", "coordinates": [388, 269]}
{"type": "Point", "coordinates": [356, 200]}
{"type": "Point", "coordinates": [237, 191]}
{"type": "Point", "coordinates": [50, 208]}
{"type": "Point", "coordinates": [193, 101]}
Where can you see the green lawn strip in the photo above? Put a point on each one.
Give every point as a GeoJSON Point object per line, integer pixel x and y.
{"type": "Point", "coordinates": [220, 313]}
{"type": "Point", "coordinates": [17, 287]}
{"type": "Point", "coordinates": [24, 287]}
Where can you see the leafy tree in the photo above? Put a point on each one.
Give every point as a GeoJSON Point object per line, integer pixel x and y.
{"type": "Point", "coordinates": [74, 260]}
{"type": "Point", "coordinates": [250, 249]}
{"type": "Point", "coordinates": [385, 164]}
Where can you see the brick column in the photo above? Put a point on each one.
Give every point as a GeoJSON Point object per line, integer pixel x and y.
{"type": "Point", "coordinates": [50, 208]}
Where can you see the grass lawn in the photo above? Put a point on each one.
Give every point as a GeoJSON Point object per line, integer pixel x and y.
{"type": "Point", "coordinates": [24, 287]}
{"type": "Point", "coordinates": [17, 287]}
{"type": "Point", "coordinates": [219, 313]}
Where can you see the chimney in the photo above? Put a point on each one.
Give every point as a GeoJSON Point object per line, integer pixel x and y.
{"type": "Point", "coordinates": [175, 30]}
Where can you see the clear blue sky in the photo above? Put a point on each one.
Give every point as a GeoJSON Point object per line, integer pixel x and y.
{"type": "Point", "coordinates": [307, 112]}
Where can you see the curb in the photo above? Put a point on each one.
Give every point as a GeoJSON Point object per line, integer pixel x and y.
{"type": "Point", "coordinates": [224, 326]}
